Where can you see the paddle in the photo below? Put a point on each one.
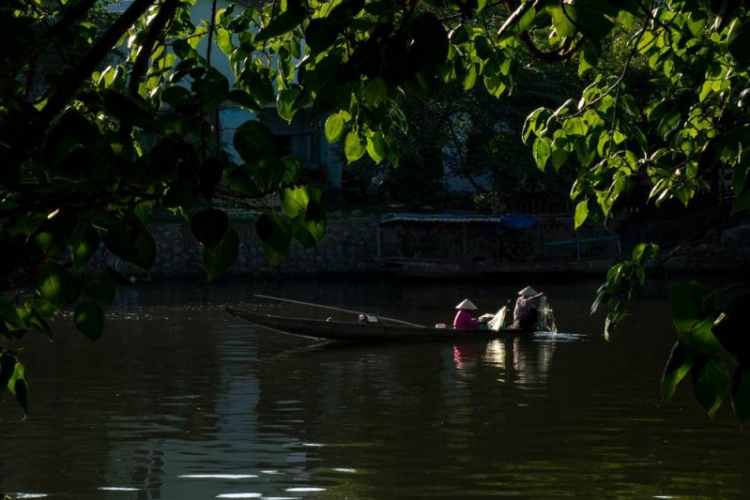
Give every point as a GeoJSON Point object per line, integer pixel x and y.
{"type": "Point", "coordinates": [334, 309]}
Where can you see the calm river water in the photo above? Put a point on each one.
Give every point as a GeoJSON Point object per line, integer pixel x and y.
{"type": "Point", "coordinates": [180, 400]}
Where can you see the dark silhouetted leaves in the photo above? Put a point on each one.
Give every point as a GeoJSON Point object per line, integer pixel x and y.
{"type": "Point", "coordinates": [84, 243]}
{"type": "Point", "coordinates": [210, 226]}
{"type": "Point", "coordinates": [275, 236]}
{"type": "Point", "coordinates": [219, 258]}
{"type": "Point", "coordinates": [7, 367]}
{"type": "Point", "coordinates": [89, 318]}
{"type": "Point", "coordinates": [710, 382]}
{"type": "Point", "coordinates": [254, 142]}
{"type": "Point", "coordinates": [741, 393]}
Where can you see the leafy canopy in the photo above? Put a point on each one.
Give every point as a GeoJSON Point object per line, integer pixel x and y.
{"type": "Point", "coordinates": [108, 115]}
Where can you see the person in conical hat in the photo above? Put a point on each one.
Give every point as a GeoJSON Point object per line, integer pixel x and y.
{"type": "Point", "coordinates": [467, 305]}
{"type": "Point", "coordinates": [525, 313]}
{"type": "Point", "coordinates": [464, 320]}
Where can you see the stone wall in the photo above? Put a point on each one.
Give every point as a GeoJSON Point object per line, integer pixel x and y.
{"type": "Point", "coordinates": [350, 246]}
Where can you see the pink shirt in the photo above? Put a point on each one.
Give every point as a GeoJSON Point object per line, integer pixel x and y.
{"type": "Point", "coordinates": [464, 321]}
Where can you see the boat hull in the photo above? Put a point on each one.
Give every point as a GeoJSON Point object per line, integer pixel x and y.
{"type": "Point", "coordinates": [351, 331]}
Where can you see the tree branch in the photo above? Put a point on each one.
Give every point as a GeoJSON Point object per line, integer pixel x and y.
{"type": "Point", "coordinates": [160, 21]}
{"type": "Point", "coordinates": [59, 99]}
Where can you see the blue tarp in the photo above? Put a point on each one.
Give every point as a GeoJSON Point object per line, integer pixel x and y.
{"type": "Point", "coordinates": [515, 221]}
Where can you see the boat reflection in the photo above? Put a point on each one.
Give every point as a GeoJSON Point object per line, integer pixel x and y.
{"type": "Point", "coordinates": [522, 360]}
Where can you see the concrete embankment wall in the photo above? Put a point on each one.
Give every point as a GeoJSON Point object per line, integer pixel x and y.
{"type": "Point", "coordinates": [350, 246]}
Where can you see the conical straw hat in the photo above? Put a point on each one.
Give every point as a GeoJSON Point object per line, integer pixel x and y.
{"type": "Point", "coordinates": [527, 292]}
{"type": "Point", "coordinates": [466, 304]}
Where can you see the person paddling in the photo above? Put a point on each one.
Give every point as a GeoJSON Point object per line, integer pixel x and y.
{"type": "Point", "coordinates": [463, 319]}
{"type": "Point", "coordinates": [525, 313]}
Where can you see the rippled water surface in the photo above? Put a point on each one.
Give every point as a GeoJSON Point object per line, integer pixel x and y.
{"type": "Point", "coordinates": [181, 400]}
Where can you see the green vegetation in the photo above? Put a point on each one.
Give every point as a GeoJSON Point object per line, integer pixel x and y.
{"type": "Point", "coordinates": [105, 117]}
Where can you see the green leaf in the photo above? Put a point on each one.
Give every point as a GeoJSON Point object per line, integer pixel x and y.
{"type": "Point", "coordinates": [301, 234]}
{"type": "Point", "coordinates": [36, 320]}
{"type": "Point", "coordinates": [678, 365]}
{"type": "Point", "coordinates": [19, 386]}
{"type": "Point", "coordinates": [376, 92]}
{"type": "Point", "coordinates": [89, 318]}
{"type": "Point", "coordinates": [131, 110]}
{"type": "Point", "coordinates": [282, 23]}
{"type": "Point", "coordinates": [260, 87]}
{"type": "Point", "coordinates": [643, 252]}
{"type": "Point", "coordinates": [741, 393]}
{"type": "Point", "coordinates": [582, 213]}
{"type": "Point", "coordinates": [542, 150]}
{"type": "Point", "coordinates": [56, 286]}
{"type": "Point", "coordinates": [294, 200]}
{"type": "Point", "coordinates": [210, 226]}
{"type": "Point", "coordinates": [22, 394]}
{"type": "Point", "coordinates": [285, 103]}
{"type": "Point", "coordinates": [141, 251]}
{"type": "Point", "coordinates": [244, 99]}
{"type": "Point", "coordinates": [218, 259]}
{"type": "Point", "coordinates": [669, 123]}
{"type": "Point", "coordinates": [535, 123]}
{"type": "Point", "coordinates": [212, 90]}
{"type": "Point", "coordinates": [558, 157]}
{"type": "Point", "coordinates": [353, 147]}
{"type": "Point", "coordinates": [741, 202]}
{"type": "Point", "coordinates": [275, 236]}
{"type": "Point", "coordinates": [376, 147]}
{"type": "Point", "coordinates": [83, 244]}
{"type": "Point", "coordinates": [321, 33]}
{"type": "Point", "coordinates": [686, 304]}
{"type": "Point", "coordinates": [315, 217]}
{"type": "Point", "coordinates": [560, 20]}
{"type": "Point", "coordinates": [254, 142]}
{"type": "Point", "coordinates": [334, 127]}
{"type": "Point", "coordinates": [710, 383]}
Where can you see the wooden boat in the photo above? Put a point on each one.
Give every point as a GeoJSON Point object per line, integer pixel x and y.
{"type": "Point", "coordinates": [355, 331]}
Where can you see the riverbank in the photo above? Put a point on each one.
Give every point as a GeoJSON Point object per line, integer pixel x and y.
{"type": "Point", "coordinates": [358, 245]}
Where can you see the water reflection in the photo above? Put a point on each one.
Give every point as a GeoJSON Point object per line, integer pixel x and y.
{"type": "Point", "coordinates": [521, 359]}
{"type": "Point", "coordinates": [203, 406]}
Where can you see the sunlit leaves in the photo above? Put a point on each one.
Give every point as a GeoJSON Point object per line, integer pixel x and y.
{"type": "Point", "coordinates": [542, 152]}
{"type": "Point", "coordinates": [285, 103]}
{"type": "Point", "coordinates": [581, 213]}
{"type": "Point", "coordinates": [334, 126]}
{"type": "Point", "coordinates": [353, 147]}
{"type": "Point", "coordinates": [17, 383]}
{"type": "Point", "coordinates": [304, 207]}
{"type": "Point", "coordinates": [678, 365]}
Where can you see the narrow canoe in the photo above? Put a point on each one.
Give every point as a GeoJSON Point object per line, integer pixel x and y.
{"type": "Point", "coordinates": [342, 330]}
